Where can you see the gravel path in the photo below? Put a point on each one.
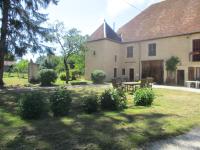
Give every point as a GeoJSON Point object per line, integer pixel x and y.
{"type": "Point", "coordinates": [188, 141]}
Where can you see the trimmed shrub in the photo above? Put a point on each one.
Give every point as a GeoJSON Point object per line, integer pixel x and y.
{"type": "Point", "coordinates": [90, 103]}
{"type": "Point", "coordinates": [114, 99]}
{"type": "Point", "coordinates": [47, 77]}
{"type": "Point", "coordinates": [144, 97]}
{"type": "Point", "coordinates": [63, 76]}
{"type": "Point", "coordinates": [60, 102]}
{"type": "Point", "coordinates": [32, 106]}
{"type": "Point", "coordinates": [98, 76]}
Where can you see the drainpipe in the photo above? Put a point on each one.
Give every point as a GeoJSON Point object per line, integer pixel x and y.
{"type": "Point", "coordinates": [140, 61]}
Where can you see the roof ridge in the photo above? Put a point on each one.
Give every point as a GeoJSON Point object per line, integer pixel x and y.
{"type": "Point", "coordinates": [104, 29]}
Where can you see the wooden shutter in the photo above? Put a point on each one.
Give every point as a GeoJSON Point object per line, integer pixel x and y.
{"type": "Point", "coordinates": [191, 74]}
{"type": "Point", "coordinates": [196, 47]}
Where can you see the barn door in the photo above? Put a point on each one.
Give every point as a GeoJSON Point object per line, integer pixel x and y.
{"type": "Point", "coordinates": [153, 69]}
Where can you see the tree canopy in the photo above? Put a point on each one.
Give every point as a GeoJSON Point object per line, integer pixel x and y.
{"type": "Point", "coordinates": [21, 28]}
{"type": "Point", "coordinates": [21, 67]}
{"type": "Point", "coordinates": [171, 63]}
{"type": "Point", "coordinates": [71, 42]}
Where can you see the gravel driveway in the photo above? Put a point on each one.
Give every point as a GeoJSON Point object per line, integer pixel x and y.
{"type": "Point", "coordinates": [188, 141]}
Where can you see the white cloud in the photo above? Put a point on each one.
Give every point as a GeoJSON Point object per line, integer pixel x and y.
{"type": "Point", "coordinates": [115, 7]}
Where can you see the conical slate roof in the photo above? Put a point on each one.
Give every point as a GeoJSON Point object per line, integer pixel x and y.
{"type": "Point", "coordinates": [104, 32]}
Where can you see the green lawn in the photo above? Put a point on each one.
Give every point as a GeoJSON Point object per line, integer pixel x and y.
{"type": "Point", "coordinates": [172, 113]}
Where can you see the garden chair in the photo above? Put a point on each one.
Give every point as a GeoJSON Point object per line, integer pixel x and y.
{"type": "Point", "coordinates": [114, 83]}
{"type": "Point", "coordinates": [143, 83]}
{"type": "Point", "coordinates": [117, 83]}
{"type": "Point", "coordinates": [149, 81]}
{"type": "Point", "coordinates": [125, 79]}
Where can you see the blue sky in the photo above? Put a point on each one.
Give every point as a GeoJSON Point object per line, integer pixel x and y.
{"type": "Point", "coordinates": [88, 15]}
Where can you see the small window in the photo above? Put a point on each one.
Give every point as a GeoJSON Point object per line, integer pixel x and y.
{"type": "Point", "coordinates": [130, 52]}
{"type": "Point", "coordinates": [152, 49]}
{"type": "Point", "coordinates": [123, 71]}
{"type": "Point", "coordinates": [115, 72]}
{"type": "Point", "coordinates": [115, 58]}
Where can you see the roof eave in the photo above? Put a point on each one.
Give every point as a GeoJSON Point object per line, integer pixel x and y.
{"type": "Point", "coordinates": [156, 38]}
{"type": "Point", "coordinates": [90, 41]}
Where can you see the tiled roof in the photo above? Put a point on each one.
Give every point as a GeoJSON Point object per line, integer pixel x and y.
{"type": "Point", "coordinates": [164, 19]}
{"type": "Point", "coordinates": [104, 32]}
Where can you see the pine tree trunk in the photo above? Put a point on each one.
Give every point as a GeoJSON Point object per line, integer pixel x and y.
{"type": "Point", "coordinates": [66, 70]}
{"type": "Point", "coordinates": [4, 30]}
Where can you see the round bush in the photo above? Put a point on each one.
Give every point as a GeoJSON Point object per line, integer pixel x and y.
{"type": "Point", "coordinates": [47, 77]}
{"type": "Point", "coordinates": [98, 76]}
{"type": "Point", "coordinates": [63, 76]}
{"type": "Point", "coordinates": [60, 102]}
{"type": "Point", "coordinates": [31, 106]}
{"type": "Point", "coordinates": [144, 97]}
{"type": "Point", "coordinates": [90, 103]}
{"type": "Point", "coordinates": [114, 99]}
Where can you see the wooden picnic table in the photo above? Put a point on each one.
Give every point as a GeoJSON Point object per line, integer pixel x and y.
{"type": "Point", "coordinates": [131, 85]}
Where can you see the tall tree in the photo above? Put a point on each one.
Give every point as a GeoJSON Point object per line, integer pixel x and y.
{"type": "Point", "coordinates": [48, 62]}
{"type": "Point", "coordinates": [9, 56]}
{"type": "Point", "coordinates": [71, 42]}
{"type": "Point", "coordinates": [21, 28]}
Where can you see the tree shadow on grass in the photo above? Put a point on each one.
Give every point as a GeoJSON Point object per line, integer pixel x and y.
{"type": "Point", "coordinates": [82, 131]}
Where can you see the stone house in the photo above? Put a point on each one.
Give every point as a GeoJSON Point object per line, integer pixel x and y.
{"type": "Point", "coordinates": [141, 47]}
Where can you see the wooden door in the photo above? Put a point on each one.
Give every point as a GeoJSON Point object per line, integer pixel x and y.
{"type": "Point", "coordinates": [191, 76]}
{"type": "Point", "coordinates": [131, 74]}
{"type": "Point", "coordinates": [115, 72]}
{"type": "Point", "coordinates": [180, 77]}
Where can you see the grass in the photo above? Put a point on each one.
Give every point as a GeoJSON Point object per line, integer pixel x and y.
{"type": "Point", "coordinates": [172, 113]}
{"type": "Point", "coordinates": [14, 80]}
